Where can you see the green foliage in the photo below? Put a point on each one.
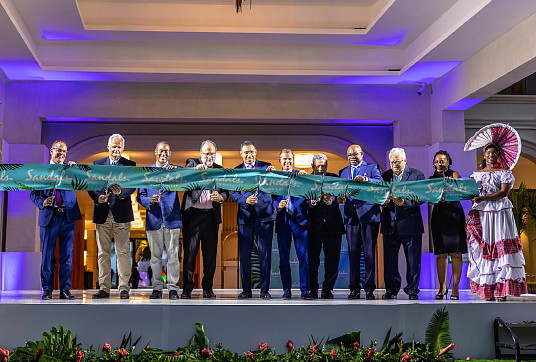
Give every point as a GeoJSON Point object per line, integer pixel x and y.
{"type": "Point", "coordinates": [524, 206]}
{"type": "Point", "coordinates": [9, 167]}
{"type": "Point", "coordinates": [255, 265]}
{"type": "Point", "coordinates": [310, 195]}
{"type": "Point", "coordinates": [59, 345]}
{"type": "Point", "coordinates": [437, 334]}
{"type": "Point", "coordinates": [84, 168]}
{"type": "Point", "coordinates": [77, 184]}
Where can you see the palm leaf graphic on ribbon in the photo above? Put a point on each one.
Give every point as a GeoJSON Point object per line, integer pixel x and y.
{"type": "Point", "coordinates": [353, 193]}
{"type": "Point", "coordinates": [9, 167]}
{"type": "Point", "coordinates": [143, 169]}
{"type": "Point", "coordinates": [310, 195]}
{"type": "Point", "coordinates": [412, 198]}
{"type": "Point", "coordinates": [78, 184]}
{"type": "Point", "coordinates": [227, 170]}
{"type": "Point", "coordinates": [255, 266]}
{"type": "Point", "coordinates": [194, 187]}
{"type": "Point", "coordinates": [84, 168]}
{"type": "Point", "coordinates": [247, 188]}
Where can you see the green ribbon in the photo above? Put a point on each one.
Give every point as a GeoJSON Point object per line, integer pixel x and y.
{"type": "Point", "coordinates": [15, 177]}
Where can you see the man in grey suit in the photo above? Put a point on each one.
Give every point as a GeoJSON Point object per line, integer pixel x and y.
{"type": "Point", "coordinates": [202, 218]}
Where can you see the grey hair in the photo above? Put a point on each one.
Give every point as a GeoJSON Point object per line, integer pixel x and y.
{"type": "Point", "coordinates": [247, 143]}
{"type": "Point", "coordinates": [207, 142]}
{"type": "Point", "coordinates": [320, 157]}
{"type": "Point", "coordinates": [397, 152]}
{"type": "Point", "coordinates": [116, 136]}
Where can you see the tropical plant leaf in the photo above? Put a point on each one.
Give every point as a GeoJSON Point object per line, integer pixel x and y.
{"type": "Point", "coordinates": [310, 195]}
{"type": "Point", "coordinates": [227, 170]}
{"type": "Point", "coordinates": [143, 169]}
{"type": "Point", "coordinates": [414, 198]}
{"type": "Point", "coordinates": [9, 167]}
{"type": "Point", "coordinates": [518, 198]}
{"type": "Point", "coordinates": [353, 192]}
{"type": "Point", "coordinates": [256, 265]}
{"type": "Point", "coordinates": [437, 334]}
{"type": "Point", "coordinates": [345, 340]}
{"type": "Point", "coordinates": [246, 188]}
{"type": "Point", "coordinates": [194, 187]}
{"type": "Point", "coordinates": [10, 188]}
{"type": "Point", "coordinates": [199, 340]}
{"type": "Point", "coordinates": [25, 187]}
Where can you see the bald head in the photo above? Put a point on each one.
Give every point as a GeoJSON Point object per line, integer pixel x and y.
{"type": "Point", "coordinates": [354, 154]}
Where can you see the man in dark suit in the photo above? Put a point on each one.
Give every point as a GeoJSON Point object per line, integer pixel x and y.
{"type": "Point", "coordinates": [58, 212]}
{"type": "Point", "coordinates": [255, 220]}
{"type": "Point", "coordinates": [291, 224]}
{"type": "Point", "coordinates": [401, 225]}
{"type": "Point", "coordinates": [362, 221]}
{"type": "Point", "coordinates": [202, 219]}
{"type": "Point", "coordinates": [325, 232]}
{"type": "Point", "coordinates": [163, 225]}
{"type": "Point", "coordinates": [112, 213]}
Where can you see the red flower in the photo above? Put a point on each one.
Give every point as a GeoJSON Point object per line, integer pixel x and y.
{"type": "Point", "coordinates": [4, 355]}
{"type": "Point", "coordinates": [250, 355]}
{"type": "Point", "coordinates": [356, 345]}
{"type": "Point", "coordinates": [263, 346]}
{"type": "Point", "coordinates": [38, 353]}
{"type": "Point", "coordinates": [290, 344]}
{"type": "Point", "coordinates": [447, 348]}
{"type": "Point", "coordinates": [177, 353]}
{"type": "Point", "coordinates": [333, 354]}
{"type": "Point", "coordinates": [78, 355]}
{"type": "Point", "coordinates": [370, 353]}
{"type": "Point", "coordinates": [405, 357]}
{"type": "Point", "coordinates": [106, 348]}
{"type": "Point", "coordinates": [121, 353]}
{"type": "Point", "coordinates": [206, 353]}
{"type": "Point", "coordinates": [313, 350]}
{"type": "Point", "coordinates": [468, 358]}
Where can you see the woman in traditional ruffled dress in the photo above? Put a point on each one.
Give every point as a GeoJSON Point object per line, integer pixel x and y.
{"type": "Point", "coordinates": [496, 262]}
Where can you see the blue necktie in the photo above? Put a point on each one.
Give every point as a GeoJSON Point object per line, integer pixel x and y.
{"type": "Point", "coordinates": [355, 170]}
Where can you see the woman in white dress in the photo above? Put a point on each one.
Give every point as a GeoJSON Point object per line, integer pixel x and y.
{"type": "Point", "coordinates": [496, 262]}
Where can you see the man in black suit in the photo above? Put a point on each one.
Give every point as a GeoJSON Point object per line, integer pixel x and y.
{"type": "Point", "coordinates": [201, 218]}
{"type": "Point", "coordinates": [255, 219]}
{"type": "Point", "coordinates": [325, 232]}
{"type": "Point", "coordinates": [112, 213]}
{"type": "Point", "coordinates": [401, 225]}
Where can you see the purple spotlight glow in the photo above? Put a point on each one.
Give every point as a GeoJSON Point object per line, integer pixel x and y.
{"type": "Point", "coordinates": [464, 104]}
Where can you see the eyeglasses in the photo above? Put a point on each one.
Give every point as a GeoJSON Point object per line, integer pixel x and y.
{"type": "Point", "coordinates": [207, 154]}
{"type": "Point", "coordinates": [60, 150]}
{"type": "Point", "coordinates": [397, 163]}
{"type": "Point", "coordinates": [354, 154]}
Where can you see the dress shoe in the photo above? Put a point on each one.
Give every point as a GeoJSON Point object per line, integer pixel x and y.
{"type": "Point", "coordinates": [370, 296]}
{"type": "Point", "coordinates": [66, 294]}
{"type": "Point", "coordinates": [266, 295]}
{"type": "Point", "coordinates": [314, 294]}
{"type": "Point", "coordinates": [101, 294]}
{"type": "Point", "coordinates": [47, 295]}
{"type": "Point", "coordinates": [185, 294]}
{"type": "Point", "coordinates": [173, 295]}
{"type": "Point", "coordinates": [389, 295]}
{"type": "Point", "coordinates": [354, 294]}
{"type": "Point", "coordinates": [327, 294]}
{"type": "Point", "coordinates": [156, 294]}
{"type": "Point", "coordinates": [287, 294]}
{"type": "Point", "coordinates": [209, 294]}
{"type": "Point", "coordinates": [413, 296]}
{"type": "Point", "coordinates": [124, 295]}
{"type": "Point", "coordinates": [306, 296]}
{"type": "Point", "coordinates": [245, 295]}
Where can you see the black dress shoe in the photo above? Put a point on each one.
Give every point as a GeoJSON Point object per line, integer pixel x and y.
{"type": "Point", "coordinates": [266, 295]}
{"type": "Point", "coordinates": [327, 294]}
{"type": "Point", "coordinates": [354, 294]}
{"type": "Point", "coordinates": [413, 296]}
{"type": "Point", "coordinates": [287, 294]}
{"type": "Point", "coordinates": [389, 295]}
{"type": "Point", "coordinates": [370, 296]}
{"type": "Point", "coordinates": [185, 294]}
{"type": "Point", "coordinates": [124, 295]}
{"type": "Point", "coordinates": [173, 295]}
{"type": "Point", "coordinates": [245, 295]}
{"type": "Point", "coordinates": [66, 294]}
{"type": "Point", "coordinates": [47, 295]}
{"type": "Point", "coordinates": [209, 294]}
{"type": "Point", "coordinates": [314, 294]}
{"type": "Point", "coordinates": [306, 296]}
{"type": "Point", "coordinates": [156, 294]}
{"type": "Point", "coordinates": [101, 294]}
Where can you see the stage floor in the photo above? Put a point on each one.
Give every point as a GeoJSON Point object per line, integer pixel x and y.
{"type": "Point", "coordinates": [242, 324]}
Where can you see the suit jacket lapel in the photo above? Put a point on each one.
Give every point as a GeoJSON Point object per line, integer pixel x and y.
{"type": "Point", "coordinates": [405, 174]}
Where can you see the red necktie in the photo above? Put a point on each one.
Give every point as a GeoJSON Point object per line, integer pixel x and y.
{"type": "Point", "coordinates": [59, 200]}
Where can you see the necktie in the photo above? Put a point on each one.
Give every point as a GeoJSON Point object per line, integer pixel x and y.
{"type": "Point", "coordinates": [290, 208]}
{"type": "Point", "coordinates": [249, 167]}
{"type": "Point", "coordinates": [355, 170]}
{"type": "Point", "coordinates": [59, 200]}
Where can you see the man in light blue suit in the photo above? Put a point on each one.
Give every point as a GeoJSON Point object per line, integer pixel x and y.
{"type": "Point", "coordinates": [58, 212]}
{"type": "Point", "coordinates": [255, 219]}
{"type": "Point", "coordinates": [291, 224]}
{"type": "Point", "coordinates": [362, 221]}
{"type": "Point", "coordinates": [163, 224]}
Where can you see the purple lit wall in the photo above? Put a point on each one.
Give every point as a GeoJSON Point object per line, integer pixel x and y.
{"type": "Point", "coordinates": [20, 270]}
